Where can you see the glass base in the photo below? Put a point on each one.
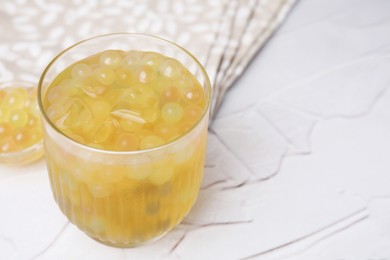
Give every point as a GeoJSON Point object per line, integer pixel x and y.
{"type": "Point", "coordinates": [129, 245]}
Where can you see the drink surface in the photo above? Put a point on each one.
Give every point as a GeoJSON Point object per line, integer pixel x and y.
{"type": "Point", "coordinates": [20, 125]}
{"type": "Point", "coordinates": [126, 101]}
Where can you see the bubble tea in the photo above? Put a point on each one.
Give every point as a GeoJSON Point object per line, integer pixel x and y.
{"type": "Point", "coordinates": [125, 142]}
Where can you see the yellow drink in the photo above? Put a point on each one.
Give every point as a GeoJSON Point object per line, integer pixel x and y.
{"type": "Point", "coordinates": [139, 129]}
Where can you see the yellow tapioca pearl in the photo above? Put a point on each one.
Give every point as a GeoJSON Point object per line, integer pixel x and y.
{"type": "Point", "coordinates": [56, 111]}
{"type": "Point", "coordinates": [126, 142]}
{"type": "Point", "coordinates": [146, 74]}
{"type": "Point", "coordinates": [193, 95]}
{"type": "Point", "coordinates": [33, 108]}
{"type": "Point", "coordinates": [124, 77]}
{"type": "Point", "coordinates": [110, 58]}
{"type": "Point", "coordinates": [151, 141]}
{"type": "Point", "coordinates": [193, 113]}
{"type": "Point", "coordinates": [139, 172]}
{"type": "Point", "coordinates": [162, 172]}
{"type": "Point", "coordinates": [100, 109]}
{"type": "Point", "coordinates": [8, 145]}
{"type": "Point", "coordinates": [170, 94]}
{"type": "Point", "coordinates": [105, 75]}
{"type": "Point", "coordinates": [172, 112]}
{"type": "Point", "coordinates": [112, 174]}
{"type": "Point", "coordinates": [184, 155]}
{"type": "Point", "coordinates": [27, 137]}
{"type": "Point", "coordinates": [5, 130]}
{"type": "Point", "coordinates": [104, 132]}
{"type": "Point", "coordinates": [185, 126]}
{"type": "Point", "coordinates": [99, 189]}
{"type": "Point", "coordinates": [18, 118]}
{"type": "Point", "coordinates": [94, 90]}
{"type": "Point", "coordinates": [166, 131]}
{"type": "Point", "coordinates": [15, 98]}
{"type": "Point", "coordinates": [131, 59]}
{"type": "Point", "coordinates": [130, 125]}
{"type": "Point", "coordinates": [4, 113]}
{"type": "Point", "coordinates": [71, 87]}
{"type": "Point", "coordinates": [81, 70]}
{"type": "Point", "coordinates": [152, 59]}
{"type": "Point", "coordinates": [55, 94]}
{"type": "Point", "coordinates": [150, 115]}
{"type": "Point", "coordinates": [170, 68]}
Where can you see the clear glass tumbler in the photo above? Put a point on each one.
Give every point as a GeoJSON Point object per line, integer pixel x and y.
{"type": "Point", "coordinates": [125, 199]}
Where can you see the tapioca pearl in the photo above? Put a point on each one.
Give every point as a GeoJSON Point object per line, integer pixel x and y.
{"type": "Point", "coordinates": [5, 130]}
{"type": "Point", "coordinates": [93, 90]}
{"type": "Point", "coordinates": [34, 109]}
{"type": "Point", "coordinates": [144, 132]}
{"type": "Point", "coordinates": [152, 59]}
{"type": "Point", "coordinates": [22, 137]}
{"type": "Point", "coordinates": [131, 59]}
{"type": "Point", "coordinates": [81, 174]}
{"type": "Point", "coordinates": [97, 225]}
{"type": "Point", "coordinates": [4, 113]}
{"type": "Point", "coordinates": [81, 70]}
{"type": "Point", "coordinates": [55, 94]}
{"type": "Point", "coordinates": [185, 126]}
{"type": "Point", "coordinates": [110, 58]}
{"type": "Point", "coordinates": [139, 172]}
{"type": "Point", "coordinates": [193, 95]}
{"type": "Point", "coordinates": [35, 135]}
{"type": "Point", "coordinates": [18, 118]}
{"type": "Point", "coordinates": [183, 156]}
{"type": "Point", "coordinates": [72, 87]}
{"type": "Point", "coordinates": [126, 142]}
{"type": "Point", "coordinates": [104, 132]}
{"type": "Point", "coordinates": [99, 189]}
{"type": "Point", "coordinates": [172, 112]}
{"type": "Point", "coordinates": [170, 94]}
{"type": "Point", "coordinates": [56, 111]}
{"type": "Point", "coordinates": [151, 141]}
{"type": "Point", "coordinates": [112, 174]}
{"type": "Point", "coordinates": [150, 115]}
{"type": "Point", "coordinates": [193, 113]}
{"type": "Point", "coordinates": [166, 131]}
{"type": "Point", "coordinates": [124, 77]}
{"type": "Point", "coordinates": [170, 68]}
{"type": "Point", "coordinates": [162, 172]}
{"type": "Point", "coordinates": [8, 145]}
{"type": "Point", "coordinates": [146, 74]}
{"type": "Point", "coordinates": [152, 208]}
{"type": "Point", "coordinates": [15, 100]}
{"type": "Point", "coordinates": [130, 125]}
{"type": "Point", "coordinates": [100, 109]}
{"type": "Point", "coordinates": [104, 75]}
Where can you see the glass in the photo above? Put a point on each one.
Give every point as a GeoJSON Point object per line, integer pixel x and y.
{"type": "Point", "coordinates": [139, 195]}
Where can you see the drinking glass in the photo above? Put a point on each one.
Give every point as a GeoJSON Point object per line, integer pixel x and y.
{"type": "Point", "coordinates": [125, 199]}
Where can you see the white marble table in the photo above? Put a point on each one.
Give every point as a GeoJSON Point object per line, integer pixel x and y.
{"type": "Point", "coordinates": [298, 158]}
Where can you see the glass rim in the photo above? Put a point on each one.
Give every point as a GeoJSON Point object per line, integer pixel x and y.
{"type": "Point", "coordinates": [207, 88]}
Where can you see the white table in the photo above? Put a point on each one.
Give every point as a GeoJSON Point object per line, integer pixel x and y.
{"type": "Point", "coordinates": [298, 159]}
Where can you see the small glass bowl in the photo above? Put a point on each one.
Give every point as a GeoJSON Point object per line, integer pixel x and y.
{"type": "Point", "coordinates": [29, 154]}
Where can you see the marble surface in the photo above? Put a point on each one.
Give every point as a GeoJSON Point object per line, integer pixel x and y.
{"type": "Point", "coordinates": [297, 163]}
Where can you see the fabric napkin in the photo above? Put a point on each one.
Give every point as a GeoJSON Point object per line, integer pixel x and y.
{"type": "Point", "coordinates": [224, 35]}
